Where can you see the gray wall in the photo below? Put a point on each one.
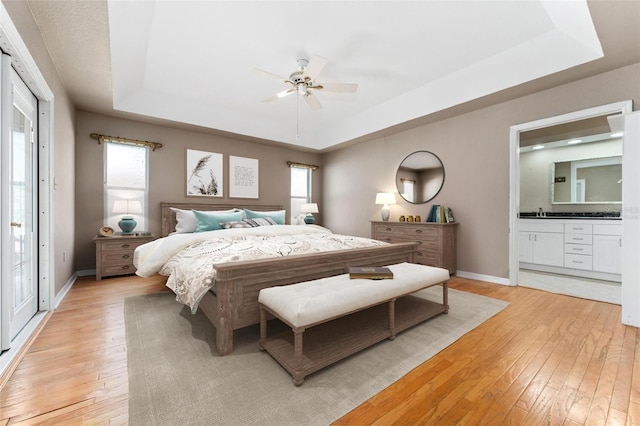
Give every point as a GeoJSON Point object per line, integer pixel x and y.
{"type": "Point", "coordinates": [167, 172]}
{"type": "Point", "coordinates": [63, 148]}
{"type": "Point", "coordinates": [474, 148]}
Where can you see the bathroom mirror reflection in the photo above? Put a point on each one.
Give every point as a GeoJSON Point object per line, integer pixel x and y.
{"type": "Point", "coordinates": [420, 177]}
{"type": "Point", "coordinates": [591, 180]}
{"type": "Point", "coordinates": [575, 164]}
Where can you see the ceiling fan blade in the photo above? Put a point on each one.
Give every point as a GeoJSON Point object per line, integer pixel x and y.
{"type": "Point", "coordinates": [312, 102]}
{"type": "Point", "coordinates": [279, 95]}
{"type": "Point", "coordinates": [269, 74]}
{"type": "Point", "coordinates": [316, 64]}
{"type": "Point", "coordinates": [337, 87]}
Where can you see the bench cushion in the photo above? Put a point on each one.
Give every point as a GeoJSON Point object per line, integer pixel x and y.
{"type": "Point", "coordinates": [319, 300]}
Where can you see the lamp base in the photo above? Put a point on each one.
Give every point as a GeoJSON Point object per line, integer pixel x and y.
{"type": "Point", "coordinates": [309, 219]}
{"type": "Point", "coordinates": [385, 213]}
{"type": "Point", "coordinates": [127, 224]}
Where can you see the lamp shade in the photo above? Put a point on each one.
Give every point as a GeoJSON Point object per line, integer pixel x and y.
{"type": "Point", "coordinates": [127, 206]}
{"type": "Point", "coordinates": [385, 198]}
{"type": "Point", "coordinates": [309, 208]}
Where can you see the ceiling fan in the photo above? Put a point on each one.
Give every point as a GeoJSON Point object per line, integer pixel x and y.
{"type": "Point", "coordinates": [302, 82]}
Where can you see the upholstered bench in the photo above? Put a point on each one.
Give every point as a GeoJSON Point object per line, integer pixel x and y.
{"type": "Point", "coordinates": [339, 316]}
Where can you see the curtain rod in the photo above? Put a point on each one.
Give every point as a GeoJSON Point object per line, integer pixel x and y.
{"type": "Point", "coordinates": [127, 141]}
{"type": "Point", "coordinates": [308, 166]}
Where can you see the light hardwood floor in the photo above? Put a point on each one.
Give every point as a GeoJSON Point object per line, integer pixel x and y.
{"type": "Point", "coordinates": [545, 359]}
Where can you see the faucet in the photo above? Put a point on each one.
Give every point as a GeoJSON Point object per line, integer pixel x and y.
{"type": "Point", "coordinates": [540, 212]}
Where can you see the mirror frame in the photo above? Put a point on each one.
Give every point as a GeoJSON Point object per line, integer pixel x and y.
{"type": "Point", "coordinates": [439, 187]}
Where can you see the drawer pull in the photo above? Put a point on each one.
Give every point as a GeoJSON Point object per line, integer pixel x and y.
{"type": "Point", "coordinates": [125, 256]}
{"type": "Point", "coordinates": [418, 231]}
{"type": "Point", "coordinates": [419, 242]}
{"type": "Point", "coordinates": [578, 229]}
{"type": "Point", "coordinates": [577, 249]}
{"type": "Point", "coordinates": [419, 253]}
{"type": "Point", "coordinates": [387, 229]}
{"type": "Point", "coordinates": [577, 261]}
{"type": "Point", "coordinates": [125, 267]}
{"type": "Point", "coordinates": [125, 245]}
{"type": "Point", "coordinates": [578, 239]}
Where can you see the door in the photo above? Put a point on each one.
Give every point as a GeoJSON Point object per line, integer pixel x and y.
{"type": "Point", "coordinates": [19, 302]}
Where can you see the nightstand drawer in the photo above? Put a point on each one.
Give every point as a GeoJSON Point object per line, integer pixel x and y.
{"type": "Point", "coordinates": [114, 255]}
{"type": "Point", "coordinates": [121, 245]}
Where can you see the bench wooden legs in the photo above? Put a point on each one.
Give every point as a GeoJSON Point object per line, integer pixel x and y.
{"type": "Point", "coordinates": [298, 373]}
{"type": "Point", "coordinates": [445, 296]}
{"type": "Point", "coordinates": [392, 319]}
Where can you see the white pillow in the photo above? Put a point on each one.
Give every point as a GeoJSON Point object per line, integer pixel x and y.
{"type": "Point", "coordinates": [186, 221]}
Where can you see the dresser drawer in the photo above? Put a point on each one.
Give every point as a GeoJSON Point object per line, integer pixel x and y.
{"type": "Point", "coordinates": [110, 270]}
{"type": "Point", "coordinates": [118, 257]}
{"type": "Point", "coordinates": [577, 261]}
{"type": "Point", "coordinates": [436, 242]}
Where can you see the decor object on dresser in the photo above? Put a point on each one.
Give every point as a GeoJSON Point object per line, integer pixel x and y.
{"type": "Point", "coordinates": [385, 198]}
{"type": "Point", "coordinates": [308, 209]}
{"type": "Point", "coordinates": [114, 254]}
{"type": "Point", "coordinates": [127, 223]}
{"type": "Point", "coordinates": [436, 241]}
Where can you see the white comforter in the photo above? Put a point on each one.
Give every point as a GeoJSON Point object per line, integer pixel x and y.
{"type": "Point", "coordinates": [188, 259]}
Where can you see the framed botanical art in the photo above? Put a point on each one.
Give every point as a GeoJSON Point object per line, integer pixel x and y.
{"type": "Point", "coordinates": [243, 177]}
{"type": "Point", "coordinates": [204, 174]}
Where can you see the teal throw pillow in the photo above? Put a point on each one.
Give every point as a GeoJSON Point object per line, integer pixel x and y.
{"type": "Point", "coordinates": [211, 221]}
{"type": "Point", "coordinates": [277, 216]}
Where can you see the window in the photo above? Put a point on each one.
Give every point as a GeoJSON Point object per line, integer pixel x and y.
{"type": "Point", "coordinates": [408, 188]}
{"type": "Point", "coordinates": [300, 191]}
{"type": "Point", "coordinates": [126, 184]}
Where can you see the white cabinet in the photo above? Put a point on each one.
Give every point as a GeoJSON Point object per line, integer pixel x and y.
{"type": "Point", "coordinates": [586, 248]}
{"type": "Point", "coordinates": [607, 248]}
{"type": "Point", "coordinates": [541, 244]}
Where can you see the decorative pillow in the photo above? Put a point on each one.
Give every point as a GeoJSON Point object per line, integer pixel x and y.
{"type": "Point", "coordinates": [260, 221]}
{"type": "Point", "coordinates": [277, 215]}
{"type": "Point", "coordinates": [210, 221]}
{"type": "Point", "coordinates": [186, 220]}
{"type": "Point", "coordinates": [235, 224]}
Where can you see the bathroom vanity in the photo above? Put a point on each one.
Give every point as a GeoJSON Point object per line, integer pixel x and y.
{"type": "Point", "coordinates": [589, 247]}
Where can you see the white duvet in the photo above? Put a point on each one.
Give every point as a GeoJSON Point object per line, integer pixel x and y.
{"type": "Point", "coordinates": [188, 259]}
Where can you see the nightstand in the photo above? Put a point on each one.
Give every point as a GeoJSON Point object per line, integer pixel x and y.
{"type": "Point", "coordinates": [114, 254]}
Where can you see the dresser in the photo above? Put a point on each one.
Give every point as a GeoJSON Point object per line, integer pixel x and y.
{"type": "Point", "coordinates": [437, 241]}
{"type": "Point", "coordinates": [114, 254]}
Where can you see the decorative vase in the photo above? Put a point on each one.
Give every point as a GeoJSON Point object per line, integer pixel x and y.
{"type": "Point", "coordinates": [309, 219]}
{"type": "Point", "coordinates": [127, 224]}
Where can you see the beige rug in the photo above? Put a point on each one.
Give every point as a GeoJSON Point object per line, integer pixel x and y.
{"type": "Point", "coordinates": [176, 377]}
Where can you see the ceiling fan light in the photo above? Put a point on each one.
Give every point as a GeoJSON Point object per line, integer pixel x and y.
{"type": "Point", "coordinates": [302, 89]}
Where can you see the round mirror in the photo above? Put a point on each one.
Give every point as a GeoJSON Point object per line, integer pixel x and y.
{"type": "Point", "coordinates": [420, 177]}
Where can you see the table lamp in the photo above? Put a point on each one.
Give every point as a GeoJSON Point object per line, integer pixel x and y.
{"type": "Point", "coordinates": [309, 209]}
{"type": "Point", "coordinates": [385, 198]}
{"type": "Point", "coordinates": [127, 223]}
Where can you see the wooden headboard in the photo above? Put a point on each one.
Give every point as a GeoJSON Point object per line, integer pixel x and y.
{"type": "Point", "coordinates": [169, 216]}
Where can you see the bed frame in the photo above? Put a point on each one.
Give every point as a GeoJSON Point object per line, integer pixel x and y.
{"type": "Point", "coordinates": [234, 304]}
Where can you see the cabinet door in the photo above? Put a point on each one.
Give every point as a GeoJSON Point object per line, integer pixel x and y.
{"type": "Point", "coordinates": [607, 253]}
{"type": "Point", "coordinates": [548, 249]}
{"type": "Point", "coordinates": [525, 244]}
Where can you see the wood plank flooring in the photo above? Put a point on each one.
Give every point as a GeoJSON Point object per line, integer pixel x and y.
{"type": "Point", "coordinates": [545, 359]}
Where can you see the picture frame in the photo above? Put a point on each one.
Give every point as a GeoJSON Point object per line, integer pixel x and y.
{"type": "Point", "coordinates": [204, 174]}
{"type": "Point", "coordinates": [244, 177]}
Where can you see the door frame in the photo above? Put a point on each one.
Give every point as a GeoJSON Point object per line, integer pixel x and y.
{"type": "Point", "coordinates": [622, 108]}
{"type": "Point", "coordinates": [25, 65]}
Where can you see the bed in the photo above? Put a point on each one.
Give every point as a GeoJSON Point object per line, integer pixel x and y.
{"type": "Point", "coordinates": [234, 302]}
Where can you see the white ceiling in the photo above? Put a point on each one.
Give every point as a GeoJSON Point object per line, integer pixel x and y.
{"type": "Point", "coordinates": [191, 61]}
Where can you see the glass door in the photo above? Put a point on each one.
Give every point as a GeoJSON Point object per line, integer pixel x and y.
{"type": "Point", "coordinates": [19, 195]}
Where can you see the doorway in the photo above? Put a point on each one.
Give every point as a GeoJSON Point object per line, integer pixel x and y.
{"type": "Point", "coordinates": [553, 280]}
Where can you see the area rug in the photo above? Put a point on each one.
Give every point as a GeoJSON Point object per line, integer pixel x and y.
{"type": "Point", "coordinates": [177, 378]}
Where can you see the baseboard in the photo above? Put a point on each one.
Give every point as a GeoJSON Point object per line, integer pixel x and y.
{"type": "Point", "coordinates": [62, 293]}
{"type": "Point", "coordinates": [86, 272]}
{"type": "Point", "coordinates": [481, 277]}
